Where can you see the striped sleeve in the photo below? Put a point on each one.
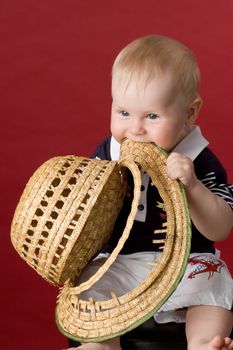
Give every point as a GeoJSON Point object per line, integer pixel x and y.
{"type": "Point", "coordinates": [222, 190]}
{"type": "Point", "coordinates": [103, 150]}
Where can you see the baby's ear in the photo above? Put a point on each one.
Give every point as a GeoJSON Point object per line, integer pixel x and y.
{"type": "Point", "coordinates": [193, 110]}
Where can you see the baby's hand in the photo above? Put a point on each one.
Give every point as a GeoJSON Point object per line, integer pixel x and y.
{"type": "Point", "coordinates": [180, 167]}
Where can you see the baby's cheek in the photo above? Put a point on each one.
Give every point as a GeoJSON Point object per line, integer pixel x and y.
{"type": "Point", "coordinates": [118, 134]}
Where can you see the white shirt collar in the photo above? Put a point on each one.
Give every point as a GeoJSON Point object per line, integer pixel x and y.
{"type": "Point", "coordinates": [191, 146]}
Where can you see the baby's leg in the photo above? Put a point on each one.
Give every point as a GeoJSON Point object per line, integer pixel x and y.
{"type": "Point", "coordinates": [112, 344]}
{"type": "Point", "coordinates": [208, 328]}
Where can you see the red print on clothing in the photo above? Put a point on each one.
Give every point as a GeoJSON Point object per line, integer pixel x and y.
{"type": "Point", "coordinates": [204, 266]}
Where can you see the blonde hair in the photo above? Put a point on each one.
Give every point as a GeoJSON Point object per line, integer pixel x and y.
{"type": "Point", "coordinates": [154, 55]}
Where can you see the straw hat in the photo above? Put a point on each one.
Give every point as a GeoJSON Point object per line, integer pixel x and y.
{"type": "Point", "coordinates": [95, 320]}
{"type": "Point", "coordinates": [66, 214]}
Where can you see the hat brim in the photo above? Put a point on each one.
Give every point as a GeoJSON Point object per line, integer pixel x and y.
{"type": "Point", "coordinates": [96, 321]}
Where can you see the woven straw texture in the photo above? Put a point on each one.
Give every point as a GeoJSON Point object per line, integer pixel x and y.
{"type": "Point", "coordinates": [93, 320]}
{"type": "Point", "coordinates": [66, 214]}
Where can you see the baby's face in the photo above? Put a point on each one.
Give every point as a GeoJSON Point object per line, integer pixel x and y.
{"type": "Point", "coordinates": [151, 113]}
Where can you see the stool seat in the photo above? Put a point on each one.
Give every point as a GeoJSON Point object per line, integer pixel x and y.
{"type": "Point", "coordinates": [151, 335]}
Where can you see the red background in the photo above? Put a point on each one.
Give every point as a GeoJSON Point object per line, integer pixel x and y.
{"type": "Point", "coordinates": [55, 61]}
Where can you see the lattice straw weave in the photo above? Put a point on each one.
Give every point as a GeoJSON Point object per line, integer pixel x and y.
{"type": "Point", "coordinates": [65, 215]}
{"type": "Point", "coordinates": [94, 320]}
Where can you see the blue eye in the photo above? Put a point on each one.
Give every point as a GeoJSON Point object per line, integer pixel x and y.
{"type": "Point", "coordinates": [152, 116]}
{"type": "Point", "coordinates": [124, 113]}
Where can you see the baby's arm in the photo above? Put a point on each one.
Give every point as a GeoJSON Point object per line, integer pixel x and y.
{"type": "Point", "coordinates": [210, 213]}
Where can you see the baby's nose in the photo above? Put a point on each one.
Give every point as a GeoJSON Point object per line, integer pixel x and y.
{"type": "Point", "coordinates": [137, 127]}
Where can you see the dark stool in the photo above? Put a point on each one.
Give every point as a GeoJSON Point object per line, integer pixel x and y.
{"type": "Point", "coordinates": [153, 336]}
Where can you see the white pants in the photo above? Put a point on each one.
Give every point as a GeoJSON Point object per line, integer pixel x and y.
{"type": "Point", "coordinates": [206, 281]}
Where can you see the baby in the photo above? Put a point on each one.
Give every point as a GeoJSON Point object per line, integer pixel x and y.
{"type": "Point", "coordinates": [155, 98]}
